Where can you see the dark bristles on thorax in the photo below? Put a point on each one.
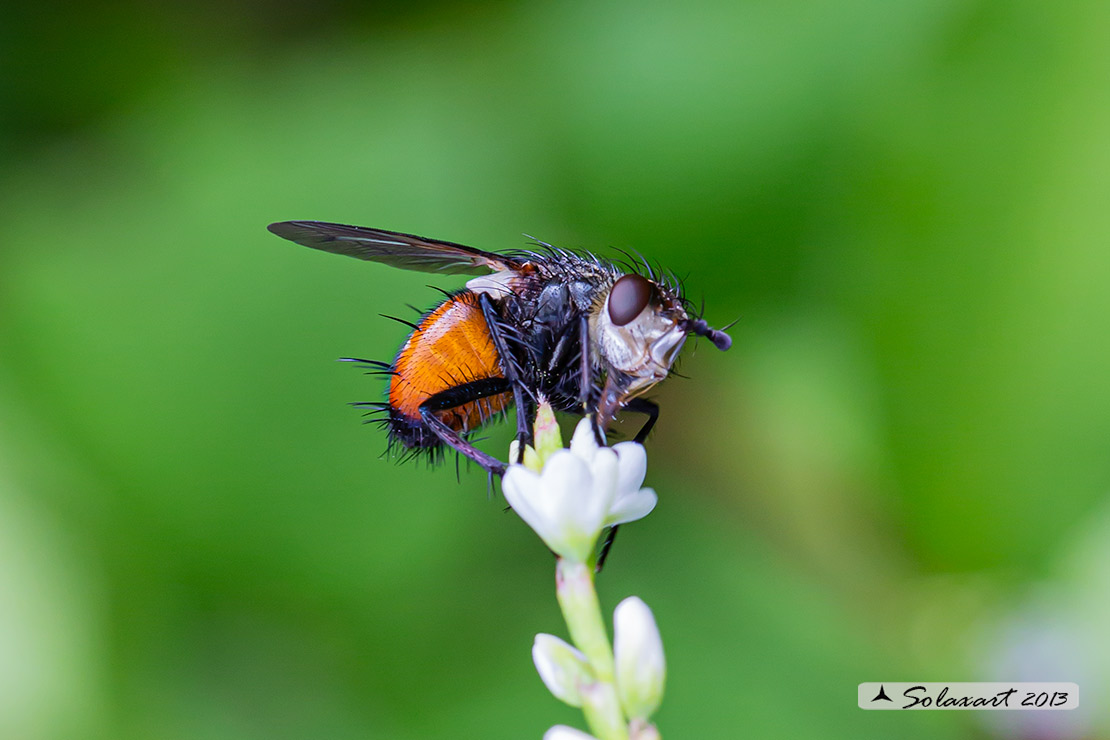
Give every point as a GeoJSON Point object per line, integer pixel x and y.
{"type": "Point", "coordinates": [570, 262]}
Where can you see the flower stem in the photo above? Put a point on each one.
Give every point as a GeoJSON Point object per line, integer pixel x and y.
{"type": "Point", "coordinates": [574, 587]}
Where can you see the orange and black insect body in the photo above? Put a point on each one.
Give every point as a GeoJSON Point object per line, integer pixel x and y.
{"type": "Point", "coordinates": [449, 352]}
{"type": "Point", "coordinates": [589, 335]}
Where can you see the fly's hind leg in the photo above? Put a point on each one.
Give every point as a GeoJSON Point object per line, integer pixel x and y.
{"type": "Point", "coordinates": [512, 375]}
{"type": "Point", "coordinates": [460, 396]}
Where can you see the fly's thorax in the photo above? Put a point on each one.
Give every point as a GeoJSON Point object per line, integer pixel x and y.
{"type": "Point", "coordinates": [639, 328]}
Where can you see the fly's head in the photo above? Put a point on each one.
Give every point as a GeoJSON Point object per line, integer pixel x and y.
{"type": "Point", "coordinates": [640, 327]}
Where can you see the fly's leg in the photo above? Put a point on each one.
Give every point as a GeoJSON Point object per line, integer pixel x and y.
{"type": "Point", "coordinates": [607, 545]}
{"type": "Point", "coordinates": [460, 396]}
{"type": "Point", "coordinates": [585, 382]}
{"type": "Point", "coordinates": [651, 409]}
{"type": "Point", "coordinates": [512, 375]}
{"type": "Point", "coordinates": [644, 406]}
{"type": "Point", "coordinates": [586, 386]}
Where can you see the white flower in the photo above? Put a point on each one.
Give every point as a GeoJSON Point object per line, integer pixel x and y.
{"type": "Point", "coordinates": [638, 652]}
{"type": "Point", "coordinates": [563, 668]}
{"type": "Point", "coordinates": [562, 732]}
{"type": "Point", "coordinates": [581, 491]}
{"type": "Point", "coordinates": [631, 502]}
{"type": "Point", "coordinates": [564, 504]}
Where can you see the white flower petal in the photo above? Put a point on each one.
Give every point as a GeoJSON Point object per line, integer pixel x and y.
{"type": "Point", "coordinates": [568, 482]}
{"type": "Point", "coordinates": [633, 465]}
{"type": "Point", "coordinates": [638, 654]}
{"type": "Point", "coordinates": [522, 490]}
{"type": "Point", "coordinates": [584, 442]}
{"type": "Point", "coordinates": [519, 485]}
{"type": "Point", "coordinates": [562, 732]}
{"type": "Point", "coordinates": [604, 472]}
{"type": "Point", "coordinates": [632, 506]}
{"type": "Point", "coordinates": [564, 467]}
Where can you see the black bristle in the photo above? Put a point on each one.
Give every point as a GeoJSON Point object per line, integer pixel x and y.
{"type": "Point", "coordinates": [398, 319]}
{"type": "Point", "coordinates": [377, 365]}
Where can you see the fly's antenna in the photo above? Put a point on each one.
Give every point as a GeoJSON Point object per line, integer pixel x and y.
{"type": "Point", "coordinates": [720, 339]}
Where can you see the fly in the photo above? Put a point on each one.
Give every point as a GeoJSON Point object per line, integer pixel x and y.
{"type": "Point", "coordinates": [589, 335]}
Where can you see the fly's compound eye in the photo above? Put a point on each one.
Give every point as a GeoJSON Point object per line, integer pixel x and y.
{"type": "Point", "coordinates": [629, 296]}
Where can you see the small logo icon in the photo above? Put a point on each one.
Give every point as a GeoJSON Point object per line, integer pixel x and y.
{"type": "Point", "coordinates": [882, 694]}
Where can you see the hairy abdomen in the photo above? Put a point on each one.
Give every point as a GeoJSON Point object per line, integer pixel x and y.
{"type": "Point", "coordinates": [450, 350]}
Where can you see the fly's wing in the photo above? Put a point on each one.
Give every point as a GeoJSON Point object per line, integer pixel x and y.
{"type": "Point", "coordinates": [393, 248]}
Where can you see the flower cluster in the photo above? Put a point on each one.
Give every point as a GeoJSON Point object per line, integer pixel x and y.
{"type": "Point", "coordinates": [569, 496]}
{"type": "Point", "coordinates": [640, 670]}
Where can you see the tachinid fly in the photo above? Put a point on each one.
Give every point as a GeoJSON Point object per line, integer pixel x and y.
{"type": "Point", "coordinates": [588, 334]}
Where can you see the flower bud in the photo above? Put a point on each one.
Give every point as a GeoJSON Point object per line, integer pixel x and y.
{"type": "Point", "coordinates": [563, 669]}
{"type": "Point", "coordinates": [546, 432]}
{"type": "Point", "coordinates": [640, 729]}
{"type": "Point", "coordinates": [638, 652]}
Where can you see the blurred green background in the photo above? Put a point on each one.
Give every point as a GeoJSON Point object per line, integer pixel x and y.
{"type": "Point", "coordinates": [899, 472]}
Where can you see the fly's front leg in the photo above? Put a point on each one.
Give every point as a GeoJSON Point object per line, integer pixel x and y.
{"type": "Point", "coordinates": [460, 396]}
{"type": "Point", "coordinates": [644, 406]}
{"type": "Point", "coordinates": [512, 375]}
{"type": "Point", "coordinates": [585, 384]}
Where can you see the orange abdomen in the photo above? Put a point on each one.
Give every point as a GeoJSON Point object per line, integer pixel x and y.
{"type": "Point", "coordinates": [450, 347]}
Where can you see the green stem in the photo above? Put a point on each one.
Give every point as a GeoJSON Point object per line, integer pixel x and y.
{"type": "Point", "coordinates": [574, 587]}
